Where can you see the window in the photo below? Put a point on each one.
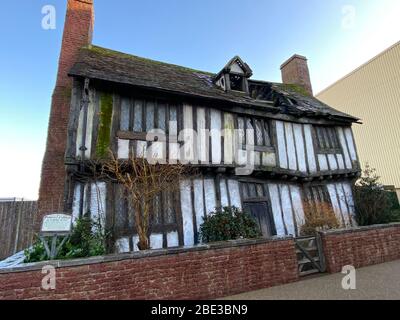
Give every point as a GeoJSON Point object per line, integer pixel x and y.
{"type": "Point", "coordinates": [327, 140]}
{"type": "Point", "coordinates": [318, 193]}
{"type": "Point", "coordinates": [317, 198]}
{"type": "Point", "coordinates": [253, 190]}
{"type": "Point", "coordinates": [164, 210]}
{"type": "Point", "coordinates": [237, 82]}
{"type": "Point", "coordinates": [255, 132]}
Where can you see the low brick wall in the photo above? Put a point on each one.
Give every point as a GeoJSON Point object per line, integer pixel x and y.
{"type": "Point", "coordinates": [203, 272]}
{"type": "Point", "coordinates": [361, 247]}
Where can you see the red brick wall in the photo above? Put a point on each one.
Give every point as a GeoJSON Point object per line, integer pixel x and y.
{"type": "Point", "coordinates": [77, 33]}
{"type": "Point", "coordinates": [295, 71]}
{"type": "Point", "coordinates": [361, 247]}
{"type": "Point", "coordinates": [180, 274]}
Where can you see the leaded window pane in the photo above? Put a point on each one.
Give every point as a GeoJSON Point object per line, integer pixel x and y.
{"type": "Point", "coordinates": [259, 133]}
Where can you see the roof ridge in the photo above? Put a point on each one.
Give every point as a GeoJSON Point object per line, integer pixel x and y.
{"type": "Point", "coordinates": [103, 50]}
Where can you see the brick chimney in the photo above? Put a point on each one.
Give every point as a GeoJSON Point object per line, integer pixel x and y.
{"type": "Point", "coordinates": [295, 71]}
{"type": "Point", "coordinates": [78, 30]}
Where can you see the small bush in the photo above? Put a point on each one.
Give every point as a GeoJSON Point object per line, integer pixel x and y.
{"type": "Point", "coordinates": [372, 203]}
{"type": "Point", "coordinates": [87, 240]}
{"type": "Point", "coordinates": [318, 216]}
{"type": "Point", "coordinates": [228, 223]}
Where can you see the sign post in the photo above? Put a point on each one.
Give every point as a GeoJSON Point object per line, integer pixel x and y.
{"type": "Point", "coordinates": [54, 226]}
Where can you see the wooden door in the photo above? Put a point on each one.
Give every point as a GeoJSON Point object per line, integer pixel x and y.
{"type": "Point", "coordinates": [259, 210]}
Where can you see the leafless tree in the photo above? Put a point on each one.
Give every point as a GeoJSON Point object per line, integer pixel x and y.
{"type": "Point", "coordinates": [142, 182]}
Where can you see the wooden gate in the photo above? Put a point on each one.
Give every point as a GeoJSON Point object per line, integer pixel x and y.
{"type": "Point", "coordinates": [310, 255]}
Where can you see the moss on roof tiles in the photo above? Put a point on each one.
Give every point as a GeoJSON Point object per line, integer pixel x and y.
{"type": "Point", "coordinates": [113, 53]}
{"type": "Point", "coordinates": [293, 88]}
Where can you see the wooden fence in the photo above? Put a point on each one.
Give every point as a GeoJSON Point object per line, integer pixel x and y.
{"type": "Point", "coordinates": [16, 226]}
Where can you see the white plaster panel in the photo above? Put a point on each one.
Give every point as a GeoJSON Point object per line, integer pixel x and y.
{"type": "Point", "coordinates": [187, 214]}
{"type": "Point", "coordinates": [300, 148]}
{"type": "Point", "coordinates": [269, 159]}
{"type": "Point", "coordinates": [276, 209]}
{"type": "Point", "coordinates": [172, 239]}
{"type": "Point", "coordinates": [210, 195]}
{"type": "Point", "coordinates": [89, 128]}
{"type": "Point", "coordinates": [340, 160]}
{"type": "Point", "coordinates": [287, 209]}
{"type": "Point", "coordinates": [342, 140]}
{"type": "Point", "coordinates": [291, 150]}
{"type": "Point", "coordinates": [312, 165]}
{"type": "Point", "coordinates": [229, 127]}
{"type": "Point", "coordinates": [350, 143]}
{"type": "Point", "coordinates": [257, 157]}
{"type": "Point", "coordinates": [323, 162]}
{"type": "Point", "coordinates": [234, 193]}
{"type": "Point", "coordinates": [215, 134]}
{"type": "Point", "coordinates": [202, 136]}
{"type": "Point", "coordinates": [122, 245]}
{"type": "Point", "coordinates": [174, 150]}
{"type": "Point", "coordinates": [188, 134]}
{"type": "Point", "coordinates": [236, 68]}
{"type": "Point", "coordinates": [333, 165]}
{"type": "Point", "coordinates": [123, 149]}
{"type": "Point", "coordinates": [198, 187]}
{"type": "Point", "coordinates": [98, 202]}
{"type": "Point", "coordinates": [141, 149]}
{"type": "Point", "coordinates": [135, 240]}
{"type": "Point", "coordinates": [280, 134]}
{"type": "Point", "coordinates": [297, 205]}
{"type": "Point", "coordinates": [156, 241]}
{"type": "Point", "coordinates": [224, 193]}
{"type": "Point", "coordinates": [76, 203]}
{"type": "Point", "coordinates": [79, 134]}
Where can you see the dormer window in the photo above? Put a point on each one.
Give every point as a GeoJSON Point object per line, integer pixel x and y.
{"type": "Point", "coordinates": [233, 77]}
{"type": "Point", "coordinates": [236, 82]}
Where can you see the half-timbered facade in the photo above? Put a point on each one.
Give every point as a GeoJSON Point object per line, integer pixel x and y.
{"type": "Point", "coordinates": [260, 146]}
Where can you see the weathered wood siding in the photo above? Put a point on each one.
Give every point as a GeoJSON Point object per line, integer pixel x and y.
{"type": "Point", "coordinates": [197, 198]}
{"type": "Point", "coordinates": [203, 135]}
{"type": "Point", "coordinates": [16, 226]}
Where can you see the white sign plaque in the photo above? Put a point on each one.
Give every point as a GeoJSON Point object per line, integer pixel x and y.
{"type": "Point", "coordinates": [57, 223]}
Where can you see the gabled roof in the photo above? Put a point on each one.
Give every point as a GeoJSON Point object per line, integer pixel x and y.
{"type": "Point", "coordinates": [243, 65]}
{"type": "Point", "coordinates": [108, 65]}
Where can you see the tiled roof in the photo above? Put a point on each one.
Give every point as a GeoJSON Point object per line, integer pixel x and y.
{"type": "Point", "coordinates": [104, 64]}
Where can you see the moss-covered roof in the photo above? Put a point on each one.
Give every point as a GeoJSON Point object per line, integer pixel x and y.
{"type": "Point", "coordinates": [105, 64]}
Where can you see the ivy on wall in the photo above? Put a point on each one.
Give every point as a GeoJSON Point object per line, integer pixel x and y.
{"type": "Point", "coordinates": [104, 133]}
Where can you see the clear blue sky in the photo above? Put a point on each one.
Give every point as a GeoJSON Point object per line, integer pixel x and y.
{"type": "Point", "coordinates": [199, 34]}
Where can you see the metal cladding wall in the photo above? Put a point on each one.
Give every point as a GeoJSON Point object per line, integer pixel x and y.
{"type": "Point", "coordinates": [372, 93]}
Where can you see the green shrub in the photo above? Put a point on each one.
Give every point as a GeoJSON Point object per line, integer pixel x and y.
{"type": "Point", "coordinates": [87, 240]}
{"type": "Point", "coordinates": [372, 203]}
{"type": "Point", "coordinates": [228, 223]}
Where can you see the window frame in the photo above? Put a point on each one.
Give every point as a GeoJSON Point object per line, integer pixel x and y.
{"type": "Point", "coordinates": [267, 134]}
{"type": "Point", "coordinates": [327, 140]}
